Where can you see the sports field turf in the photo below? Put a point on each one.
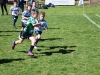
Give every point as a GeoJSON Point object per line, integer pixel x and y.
{"type": "Point", "coordinates": [70, 47]}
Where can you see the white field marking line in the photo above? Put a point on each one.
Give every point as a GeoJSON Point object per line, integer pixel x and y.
{"type": "Point", "coordinates": [91, 21]}
{"type": "Point", "coordinates": [97, 15]}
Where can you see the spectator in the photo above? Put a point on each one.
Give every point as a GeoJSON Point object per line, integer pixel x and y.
{"type": "Point", "coordinates": [21, 4]}
{"type": "Point", "coordinates": [3, 6]}
{"type": "Point", "coordinates": [29, 1]}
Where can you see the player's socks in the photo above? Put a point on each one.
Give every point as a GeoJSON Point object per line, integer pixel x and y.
{"type": "Point", "coordinates": [6, 13]}
{"type": "Point", "coordinates": [36, 41]}
{"type": "Point", "coordinates": [30, 53]}
{"type": "Point", "coordinates": [14, 23]}
{"type": "Point", "coordinates": [31, 48]}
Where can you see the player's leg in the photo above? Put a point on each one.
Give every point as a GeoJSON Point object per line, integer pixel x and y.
{"type": "Point", "coordinates": [5, 9]}
{"type": "Point", "coordinates": [16, 17]}
{"type": "Point", "coordinates": [13, 16]}
{"type": "Point", "coordinates": [15, 20]}
{"type": "Point", "coordinates": [30, 53]}
{"type": "Point", "coordinates": [2, 9]}
{"type": "Point", "coordinates": [22, 7]}
{"type": "Point", "coordinates": [38, 36]}
{"type": "Point", "coordinates": [37, 40]}
{"type": "Point", "coordinates": [23, 25]}
{"type": "Point", "coordinates": [21, 38]}
{"type": "Point", "coordinates": [21, 31]}
{"type": "Point", "coordinates": [17, 42]}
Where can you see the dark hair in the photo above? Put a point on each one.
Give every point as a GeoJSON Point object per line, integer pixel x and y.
{"type": "Point", "coordinates": [15, 1]}
{"type": "Point", "coordinates": [33, 11]}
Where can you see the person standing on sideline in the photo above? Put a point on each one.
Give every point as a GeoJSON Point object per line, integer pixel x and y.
{"type": "Point", "coordinates": [29, 2]}
{"type": "Point", "coordinates": [21, 4]}
{"type": "Point", "coordinates": [3, 6]}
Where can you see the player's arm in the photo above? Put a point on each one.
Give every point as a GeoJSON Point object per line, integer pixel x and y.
{"type": "Point", "coordinates": [36, 20]}
{"type": "Point", "coordinates": [37, 24]}
{"type": "Point", "coordinates": [46, 29]}
{"type": "Point", "coordinates": [24, 17]}
{"type": "Point", "coordinates": [45, 26]}
{"type": "Point", "coordinates": [18, 10]}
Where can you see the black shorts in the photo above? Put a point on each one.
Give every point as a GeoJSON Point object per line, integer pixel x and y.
{"type": "Point", "coordinates": [23, 24]}
{"type": "Point", "coordinates": [16, 17]}
{"type": "Point", "coordinates": [38, 32]}
{"type": "Point", "coordinates": [25, 35]}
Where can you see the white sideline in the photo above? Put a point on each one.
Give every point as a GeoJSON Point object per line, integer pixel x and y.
{"type": "Point", "coordinates": [97, 15]}
{"type": "Point", "coordinates": [91, 21]}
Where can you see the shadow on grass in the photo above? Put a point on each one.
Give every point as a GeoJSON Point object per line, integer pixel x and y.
{"type": "Point", "coordinates": [53, 47]}
{"type": "Point", "coordinates": [23, 51]}
{"type": "Point", "coordinates": [54, 28]}
{"type": "Point", "coordinates": [5, 35]}
{"type": "Point", "coordinates": [60, 51]}
{"type": "Point", "coordinates": [2, 61]}
{"type": "Point", "coordinates": [27, 51]}
{"type": "Point", "coordinates": [9, 31]}
{"type": "Point", "coordinates": [51, 39]}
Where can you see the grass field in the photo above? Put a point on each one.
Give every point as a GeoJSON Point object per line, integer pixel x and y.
{"type": "Point", "coordinates": [70, 47]}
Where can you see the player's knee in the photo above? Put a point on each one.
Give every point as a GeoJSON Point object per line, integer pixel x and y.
{"type": "Point", "coordinates": [39, 37]}
{"type": "Point", "coordinates": [20, 41]}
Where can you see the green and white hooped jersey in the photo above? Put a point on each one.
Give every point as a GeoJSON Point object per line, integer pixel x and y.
{"type": "Point", "coordinates": [29, 26]}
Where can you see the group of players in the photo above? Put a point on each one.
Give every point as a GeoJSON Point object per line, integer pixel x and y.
{"type": "Point", "coordinates": [30, 24]}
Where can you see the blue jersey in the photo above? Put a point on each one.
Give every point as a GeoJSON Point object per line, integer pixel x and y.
{"type": "Point", "coordinates": [40, 28]}
{"type": "Point", "coordinates": [15, 10]}
{"type": "Point", "coordinates": [26, 14]}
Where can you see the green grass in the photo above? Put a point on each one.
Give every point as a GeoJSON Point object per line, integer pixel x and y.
{"type": "Point", "coordinates": [70, 47]}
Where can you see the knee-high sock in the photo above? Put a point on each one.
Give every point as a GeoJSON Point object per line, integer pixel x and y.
{"type": "Point", "coordinates": [31, 48]}
{"type": "Point", "coordinates": [14, 22]}
{"type": "Point", "coordinates": [37, 40]}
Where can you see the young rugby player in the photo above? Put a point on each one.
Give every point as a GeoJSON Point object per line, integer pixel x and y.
{"type": "Point", "coordinates": [15, 11]}
{"type": "Point", "coordinates": [38, 30]}
{"type": "Point", "coordinates": [34, 6]}
{"type": "Point", "coordinates": [25, 15]}
{"type": "Point", "coordinates": [28, 32]}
